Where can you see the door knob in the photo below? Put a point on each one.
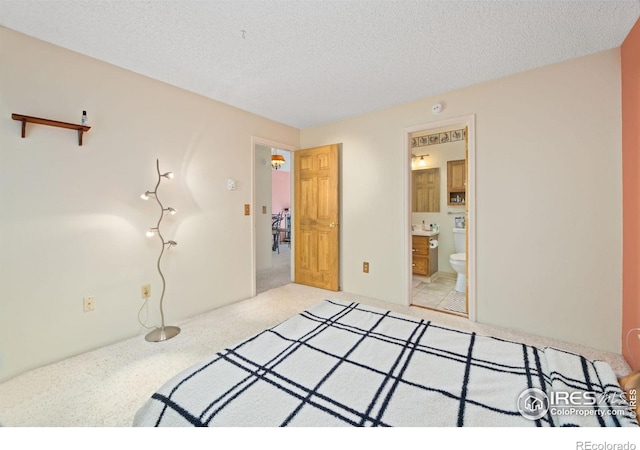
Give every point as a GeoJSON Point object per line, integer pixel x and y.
{"type": "Point", "coordinates": [332, 225]}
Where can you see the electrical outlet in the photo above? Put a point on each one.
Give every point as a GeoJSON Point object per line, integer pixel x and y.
{"type": "Point", "coordinates": [365, 267]}
{"type": "Point", "coordinates": [89, 304]}
{"type": "Point", "coordinates": [145, 291]}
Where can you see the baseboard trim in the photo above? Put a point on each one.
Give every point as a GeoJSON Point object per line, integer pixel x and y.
{"type": "Point", "coordinates": [435, 276]}
{"type": "Point", "coordinates": [449, 275]}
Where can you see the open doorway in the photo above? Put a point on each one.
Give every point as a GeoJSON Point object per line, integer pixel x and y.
{"type": "Point", "coordinates": [272, 204]}
{"type": "Point", "coordinates": [441, 182]}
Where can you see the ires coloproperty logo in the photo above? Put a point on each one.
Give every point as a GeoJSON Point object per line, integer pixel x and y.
{"type": "Point", "coordinates": [533, 403]}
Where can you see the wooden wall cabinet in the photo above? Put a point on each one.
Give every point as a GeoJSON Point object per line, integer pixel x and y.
{"type": "Point", "coordinates": [424, 259]}
{"type": "Point", "coordinates": [457, 182]}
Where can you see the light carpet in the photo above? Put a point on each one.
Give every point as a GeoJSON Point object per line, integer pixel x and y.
{"type": "Point", "coordinates": [106, 386]}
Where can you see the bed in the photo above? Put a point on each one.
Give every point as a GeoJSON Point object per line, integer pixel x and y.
{"type": "Point", "coordinates": [348, 364]}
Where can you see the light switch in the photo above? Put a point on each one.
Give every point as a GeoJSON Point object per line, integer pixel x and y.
{"type": "Point", "coordinates": [264, 210]}
{"type": "Point", "coordinates": [247, 210]}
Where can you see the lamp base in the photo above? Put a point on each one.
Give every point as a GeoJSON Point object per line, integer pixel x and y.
{"type": "Point", "coordinates": [162, 334]}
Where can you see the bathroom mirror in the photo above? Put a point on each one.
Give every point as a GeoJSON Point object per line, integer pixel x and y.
{"type": "Point", "coordinates": [426, 190]}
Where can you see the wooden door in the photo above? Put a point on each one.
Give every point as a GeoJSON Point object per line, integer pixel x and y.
{"type": "Point", "coordinates": [316, 217]}
{"type": "Point", "coordinates": [426, 190]}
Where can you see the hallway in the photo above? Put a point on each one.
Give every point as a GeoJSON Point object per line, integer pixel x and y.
{"type": "Point", "coordinates": [279, 273]}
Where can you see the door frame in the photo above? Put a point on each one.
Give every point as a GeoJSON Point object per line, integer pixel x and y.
{"type": "Point", "coordinates": [255, 140]}
{"type": "Point", "coordinates": [470, 122]}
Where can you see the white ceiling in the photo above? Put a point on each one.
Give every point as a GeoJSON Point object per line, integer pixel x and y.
{"type": "Point", "coordinates": [308, 62]}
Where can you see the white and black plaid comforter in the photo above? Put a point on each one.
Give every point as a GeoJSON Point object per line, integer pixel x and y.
{"type": "Point", "coordinates": [342, 363]}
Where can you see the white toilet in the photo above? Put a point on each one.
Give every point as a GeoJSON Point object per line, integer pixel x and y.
{"type": "Point", "coordinates": [458, 260]}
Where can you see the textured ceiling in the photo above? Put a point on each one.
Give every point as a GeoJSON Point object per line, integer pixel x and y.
{"type": "Point", "coordinates": [305, 63]}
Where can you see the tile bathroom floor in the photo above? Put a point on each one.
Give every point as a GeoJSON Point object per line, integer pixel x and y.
{"type": "Point", "coordinates": [440, 295]}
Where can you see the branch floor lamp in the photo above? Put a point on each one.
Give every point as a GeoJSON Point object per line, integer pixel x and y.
{"type": "Point", "coordinates": [163, 332]}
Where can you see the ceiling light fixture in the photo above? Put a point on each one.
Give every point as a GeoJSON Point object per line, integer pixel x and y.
{"type": "Point", "coordinates": [277, 160]}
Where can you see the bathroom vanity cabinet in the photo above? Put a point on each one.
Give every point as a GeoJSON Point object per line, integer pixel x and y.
{"type": "Point", "coordinates": [425, 259]}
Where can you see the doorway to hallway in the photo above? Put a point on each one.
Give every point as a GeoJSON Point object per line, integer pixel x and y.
{"type": "Point", "coordinates": [278, 274]}
{"type": "Point", "coordinates": [272, 206]}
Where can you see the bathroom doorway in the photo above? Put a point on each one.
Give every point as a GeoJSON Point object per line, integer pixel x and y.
{"type": "Point", "coordinates": [272, 217]}
{"type": "Point", "coordinates": [441, 255]}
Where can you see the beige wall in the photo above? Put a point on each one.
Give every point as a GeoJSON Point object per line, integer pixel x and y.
{"type": "Point", "coordinates": [548, 200]}
{"type": "Point", "coordinates": [72, 222]}
{"type": "Point", "coordinates": [548, 173]}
